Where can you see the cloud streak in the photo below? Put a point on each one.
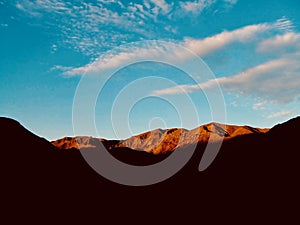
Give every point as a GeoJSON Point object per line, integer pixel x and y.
{"type": "Point", "coordinates": [276, 80]}
{"type": "Point", "coordinates": [196, 6]}
{"type": "Point", "coordinates": [280, 114]}
{"type": "Point", "coordinates": [260, 105]}
{"type": "Point", "coordinates": [94, 27]}
{"type": "Point", "coordinates": [161, 5]}
{"type": "Point", "coordinates": [200, 47]}
{"type": "Point", "coordinates": [290, 39]}
{"type": "Point", "coordinates": [213, 43]}
{"type": "Point", "coordinates": [284, 24]}
{"type": "Point", "coordinates": [114, 60]}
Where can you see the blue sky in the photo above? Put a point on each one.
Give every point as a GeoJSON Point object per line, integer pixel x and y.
{"type": "Point", "coordinates": [252, 49]}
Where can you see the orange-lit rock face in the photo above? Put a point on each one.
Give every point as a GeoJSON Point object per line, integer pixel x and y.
{"type": "Point", "coordinates": [162, 141]}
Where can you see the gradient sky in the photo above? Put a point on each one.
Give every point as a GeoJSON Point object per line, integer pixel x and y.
{"type": "Point", "coordinates": [47, 46]}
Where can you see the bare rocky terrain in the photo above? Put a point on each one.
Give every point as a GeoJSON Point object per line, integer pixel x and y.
{"type": "Point", "coordinates": [161, 141]}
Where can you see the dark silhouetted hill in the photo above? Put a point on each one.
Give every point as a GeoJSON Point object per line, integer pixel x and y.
{"type": "Point", "coordinates": [254, 179]}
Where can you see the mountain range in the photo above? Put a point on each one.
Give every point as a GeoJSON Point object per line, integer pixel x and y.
{"type": "Point", "coordinates": [254, 179]}
{"type": "Point", "coordinates": [161, 141]}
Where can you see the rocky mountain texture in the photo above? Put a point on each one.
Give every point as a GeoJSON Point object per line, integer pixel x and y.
{"type": "Point", "coordinates": [163, 141]}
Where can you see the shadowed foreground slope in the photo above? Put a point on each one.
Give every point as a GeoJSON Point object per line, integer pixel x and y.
{"type": "Point", "coordinates": [253, 179]}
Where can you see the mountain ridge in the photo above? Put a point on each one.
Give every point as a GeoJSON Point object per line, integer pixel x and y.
{"type": "Point", "coordinates": [161, 141]}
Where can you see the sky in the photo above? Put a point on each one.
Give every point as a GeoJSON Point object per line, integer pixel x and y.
{"type": "Point", "coordinates": [113, 68]}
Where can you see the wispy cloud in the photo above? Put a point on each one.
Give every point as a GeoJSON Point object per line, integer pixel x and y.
{"type": "Point", "coordinates": [284, 24]}
{"type": "Point", "coordinates": [36, 8]}
{"type": "Point", "coordinates": [161, 5]}
{"type": "Point", "coordinates": [145, 51]}
{"type": "Point", "coordinates": [276, 80]}
{"type": "Point", "coordinates": [94, 27]}
{"type": "Point", "coordinates": [260, 105]}
{"type": "Point", "coordinates": [201, 47]}
{"type": "Point", "coordinates": [280, 114]}
{"type": "Point", "coordinates": [61, 68]}
{"type": "Point", "coordinates": [196, 6]}
{"type": "Point", "coordinates": [210, 44]}
{"type": "Point", "coordinates": [290, 39]}
{"type": "Point", "coordinates": [231, 1]}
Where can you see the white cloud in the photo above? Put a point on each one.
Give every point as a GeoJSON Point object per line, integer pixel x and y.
{"type": "Point", "coordinates": [81, 25]}
{"type": "Point", "coordinates": [142, 12]}
{"type": "Point", "coordinates": [210, 44]}
{"type": "Point", "coordinates": [234, 104]}
{"type": "Point", "coordinates": [51, 5]}
{"type": "Point", "coordinates": [284, 24]}
{"type": "Point", "coordinates": [147, 5]}
{"type": "Point", "coordinates": [131, 55]}
{"type": "Point", "coordinates": [276, 80]}
{"type": "Point", "coordinates": [280, 114]}
{"type": "Point", "coordinates": [163, 5]}
{"type": "Point", "coordinates": [35, 8]}
{"type": "Point", "coordinates": [108, 1]}
{"type": "Point", "coordinates": [196, 6]}
{"type": "Point", "coordinates": [200, 47]}
{"type": "Point", "coordinates": [97, 26]}
{"type": "Point", "coordinates": [19, 6]}
{"type": "Point", "coordinates": [232, 2]}
{"type": "Point", "coordinates": [278, 42]}
{"type": "Point", "coordinates": [260, 105]}
{"type": "Point", "coordinates": [61, 68]}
